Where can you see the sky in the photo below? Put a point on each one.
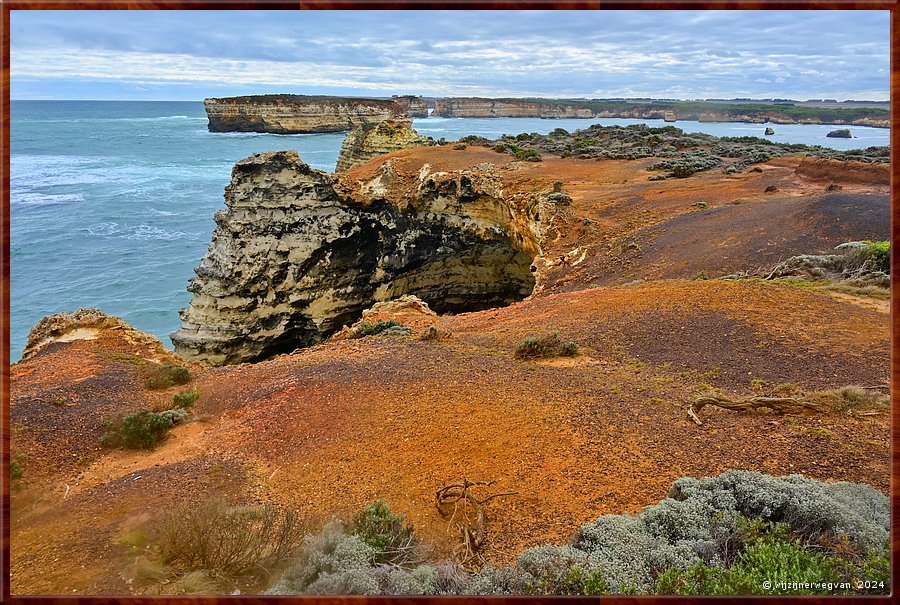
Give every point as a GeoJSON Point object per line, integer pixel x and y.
{"type": "Point", "coordinates": [190, 55]}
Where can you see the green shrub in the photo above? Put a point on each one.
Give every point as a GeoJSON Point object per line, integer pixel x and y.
{"type": "Point", "coordinates": [15, 470]}
{"type": "Point", "coordinates": [548, 345]}
{"type": "Point", "coordinates": [367, 329]}
{"type": "Point", "coordinates": [390, 537]}
{"type": "Point", "coordinates": [186, 399]}
{"type": "Point", "coordinates": [166, 376]}
{"type": "Point", "coordinates": [141, 430]}
{"type": "Point", "coordinates": [722, 535]}
{"type": "Point", "coordinates": [769, 554]}
{"type": "Point", "coordinates": [878, 253]}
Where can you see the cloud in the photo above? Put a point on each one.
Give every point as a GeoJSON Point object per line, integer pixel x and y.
{"type": "Point", "coordinates": [495, 53]}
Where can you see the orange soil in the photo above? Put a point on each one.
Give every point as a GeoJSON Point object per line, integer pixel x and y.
{"type": "Point", "coordinates": [331, 428]}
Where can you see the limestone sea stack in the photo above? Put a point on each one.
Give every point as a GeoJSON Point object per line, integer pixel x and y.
{"type": "Point", "coordinates": [298, 253]}
{"type": "Point", "coordinates": [369, 141]}
{"type": "Point", "coordinates": [292, 114]}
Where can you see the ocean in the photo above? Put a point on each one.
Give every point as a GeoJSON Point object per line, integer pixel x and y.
{"type": "Point", "coordinates": [111, 203]}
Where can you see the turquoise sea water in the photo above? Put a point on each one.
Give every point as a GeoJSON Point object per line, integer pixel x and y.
{"type": "Point", "coordinates": [111, 203]}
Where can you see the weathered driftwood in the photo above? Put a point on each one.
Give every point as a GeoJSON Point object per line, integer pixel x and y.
{"type": "Point", "coordinates": [470, 525]}
{"type": "Point", "coordinates": [779, 405]}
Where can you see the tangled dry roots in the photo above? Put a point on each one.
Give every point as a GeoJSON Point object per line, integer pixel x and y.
{"type": "Point", "coordinates": [465, 511]}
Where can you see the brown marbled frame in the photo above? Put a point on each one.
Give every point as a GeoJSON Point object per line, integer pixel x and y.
{"type": "Point", "coordinates": [8, 5]}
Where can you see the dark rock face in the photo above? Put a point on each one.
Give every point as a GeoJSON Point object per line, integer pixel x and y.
{"type": "Point", "coordinates": [294, 258]}
{"type": "Point", "coordinates": [289, 114]}
{"type": "Point", "coordinates": [841, 133]}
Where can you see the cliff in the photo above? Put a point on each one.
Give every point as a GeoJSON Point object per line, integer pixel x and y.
{"type": "Point", "coordinates": [503, 108]}
{"type": "Point", "coordinates": [371, 140]}
{"type": "Point", "coordinates": [702, 111]}
{"type": "Point", "coordinates": [414, 107]}
{"type": "Point", "coordinates": [289, 114]}
{"type": "Point", "coordinates": [298, 253]}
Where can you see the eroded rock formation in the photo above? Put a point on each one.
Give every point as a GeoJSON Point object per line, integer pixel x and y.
{"type": "Point", "coordinates": [298, 253]}
{"type": "Point", "coordinates": [372, 140]}
{"type": "Point", "coordinates": [87, 324]}
{"type": "Point", "coordinates": [288, 114]}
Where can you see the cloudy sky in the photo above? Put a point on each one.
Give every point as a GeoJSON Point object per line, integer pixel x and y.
{"type": "Point", "coordinates": [189, 55]}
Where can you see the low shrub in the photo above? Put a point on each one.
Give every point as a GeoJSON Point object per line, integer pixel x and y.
{"type": "Point", "coordinates": [769, 556]}
{"type": "Point", "coordinates": [186, 399]}
{"type": "Point", "coordinates": [15, 470]}
{"type": "Point", "coordinates": [390, 537]}
{"type": "Point", "coordinates": [879, 254]}
{"type": "Point", "coordinates": [548, 345]}
{"type": "Point", "coordinates": [368, 329]}
{"type": "Point", "coordinates": [228, 540]}
{"type": "Point", "coordinates": [163, 377]}
{"type": "Point", "coordinates": [141, 430]}
{"type": "Point", "coordinates": [722, 535]}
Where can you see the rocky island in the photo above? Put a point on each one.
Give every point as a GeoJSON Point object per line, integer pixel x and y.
{"type": "Point", "coordinates": [289, 114]}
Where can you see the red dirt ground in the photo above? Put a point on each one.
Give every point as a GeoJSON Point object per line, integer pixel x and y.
{"type": "Point", "coordinates": [331, 428]}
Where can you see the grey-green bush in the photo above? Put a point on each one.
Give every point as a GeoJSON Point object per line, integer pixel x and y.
{"type": "Point", "coordinates": [701, 525]}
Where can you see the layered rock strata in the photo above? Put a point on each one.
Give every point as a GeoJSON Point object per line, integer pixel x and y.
{"type": "Point", "coordinates": [502, 108]}
{"type": "Point", "coordinates": [298, 253]}
{"type": "Point", "coordinates": [369, 141]}
{"type": "Point", "coordinates": [414, 107]}
{"type": "Point", "coordinates": [290, 114]}
{"type": "Point", "coordinates": [473, 107]}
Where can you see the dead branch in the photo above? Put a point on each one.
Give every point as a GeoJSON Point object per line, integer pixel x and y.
{"type": "Point", "coordinates": [779, 405]}
{"type": "Point", "coordinates": [469, 509]}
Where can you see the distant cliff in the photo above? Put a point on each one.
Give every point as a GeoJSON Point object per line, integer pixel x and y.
{"type": "Point", "coordinates": [703, 111]}
{"type": "Point", "coordinates": [289, 114]}
{"type": "Point", "coordinates": [415, 107]}
{"type": "Point", "coordinates": [507, 108]}
{"type": "Point", "coordinates": [372, 140]}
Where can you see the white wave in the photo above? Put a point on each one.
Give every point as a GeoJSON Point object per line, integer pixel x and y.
{"type": "Point", "coordinates": [162, 212]}
{"type": "Point", "coordinates": [139, 232]}
{"type": "Point", "coordinates": [154, 119]}
{"type": "Point", "coordinates": [30, 198]}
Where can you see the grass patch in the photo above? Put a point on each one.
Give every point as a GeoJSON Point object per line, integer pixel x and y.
{"type": "Point", "coordinates": [163, 377]}
{"type": "Point", "coordinates": [547, 345]}
{"type": "Point", "coordinates": [15, 470]}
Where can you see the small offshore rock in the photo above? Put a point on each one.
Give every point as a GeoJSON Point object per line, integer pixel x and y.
{"type": "Point", "coordinates": [770, 131]}
{"type": "Point", "coordinates": [841, 133]}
